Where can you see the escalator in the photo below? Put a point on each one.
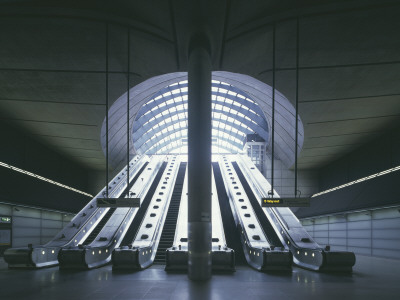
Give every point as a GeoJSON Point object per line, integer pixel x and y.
{"type": "Point", "coordinates": [231, 232]}
{"type": "Point", "coordinates": [134, 179]}
{"type": "Point", "coordinates": [139, 247]}
{"type": "Point", "coordinates": [269, 231]}
{"type": "Point", "coordinates": [131, 233]}
{"type": "Point", "coordinates": [258, 249]}
{"type": "Point", "coordinates": [99, 227]}
{"type": "Point", "coordinates": [76, 231]}
{"type": "Point", "coordinates": [306, 252]}
{"type": "Point", "coordinates": [112, 226]}
{"type": "Point", "coordinates": [168, 232]}
{"type": "Point", "coordinates": [109, 213]}
{"type": "Point", "coordinates": [223, 258]}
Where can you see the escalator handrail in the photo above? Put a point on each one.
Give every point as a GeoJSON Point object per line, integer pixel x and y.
{"type": "Point", "coordinates": [93, 202]}
{"type": "Point", "coordinates": [237, 213]}
{"type": "Point", "coordinates": [282, 223]}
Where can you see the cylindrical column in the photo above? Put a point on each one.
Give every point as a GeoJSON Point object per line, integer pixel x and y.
{"type": "Point", "coordinates": [199, 162]}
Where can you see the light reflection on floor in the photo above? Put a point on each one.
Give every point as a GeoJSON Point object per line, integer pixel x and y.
{"type": "Point", "coordinates": [372, 278]}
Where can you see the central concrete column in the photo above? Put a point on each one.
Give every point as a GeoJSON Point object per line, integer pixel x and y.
{"type": "Point", "coordinates": [199, 161]}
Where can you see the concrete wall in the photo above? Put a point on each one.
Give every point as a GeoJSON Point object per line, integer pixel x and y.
{"type": "Point", "coordinates": [21, 150]}
{"type": "Point", "coordinates": [373, 231]}
{"type": "Point", "coordinates": [34, 226]}
{"type": "Point", "coordinates": [380, 154]}
{"type": "Point", "coordinates": [370, 232]}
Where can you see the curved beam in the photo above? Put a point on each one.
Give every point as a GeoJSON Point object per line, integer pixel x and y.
{"type": "Point", "coordinates": [167, 140]}
{"type": "Point", "coordinates": [151, 142]}
{"type": "Point", "coordinates": [147, 126]}
{"type": "Point", "coordinates": [255, 89]}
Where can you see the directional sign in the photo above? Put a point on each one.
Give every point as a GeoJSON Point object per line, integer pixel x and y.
{"type": "Point", "coordinates": [285, 202]}
{"type": "Point", "coordinates": [5, 219]}
{"type": "Point", "coordinates": [118, 202]}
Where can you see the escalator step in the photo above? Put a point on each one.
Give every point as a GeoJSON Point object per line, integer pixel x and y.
{"type": "Point", "coordinates": [168, 232]}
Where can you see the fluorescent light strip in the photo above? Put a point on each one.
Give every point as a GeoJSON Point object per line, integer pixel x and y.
{"type": "Point", "coordinates": [43, 178]}
{"type": "Point", "coordinates": [358, 181]}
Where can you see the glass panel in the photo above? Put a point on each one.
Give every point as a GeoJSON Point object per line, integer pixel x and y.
{"type": "Point", "coordinates": [165, 133]}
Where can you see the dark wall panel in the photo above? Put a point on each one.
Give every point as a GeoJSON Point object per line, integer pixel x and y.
{"type": "Point", "coordinates": [20, 150]}
{"type": "Point", "coordinates": [378, 155]}
{"type": "Point", "coordinates": [382, 191]}
{"type": "Point", "coordinates": [22, 189]}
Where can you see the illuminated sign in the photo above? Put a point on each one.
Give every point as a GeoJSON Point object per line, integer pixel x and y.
{"type": "Point", "coordinates": [285, 202]}
{"type": "Point", "coordinates": [118, 202]}
{"type": "Point", "coordinates": [5, 220]}
{"type": "Point", "coordinates": [273, 201]}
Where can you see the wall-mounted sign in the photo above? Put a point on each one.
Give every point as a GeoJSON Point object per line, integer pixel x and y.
{"type": "Point", "coordinates": [6, 220]}
{"type": "Point", "coordinates": [285, 202]}
{"type": "Point", "coordinates": [118, 202]}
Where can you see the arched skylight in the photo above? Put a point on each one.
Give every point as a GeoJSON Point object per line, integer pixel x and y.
{"type": "Point", "coordinates": [160, 126]}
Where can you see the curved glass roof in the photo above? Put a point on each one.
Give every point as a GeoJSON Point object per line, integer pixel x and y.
{"type": "Point", "coordinates": [160, 126]}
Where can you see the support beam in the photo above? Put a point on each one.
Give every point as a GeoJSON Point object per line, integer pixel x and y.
{"type": "Point", "coordinates": [128, 107]}
{"type": "Point", "coordinates": [199, 160]}
{"type": "Point", "coordinates": [107, 117]}
{"type": "Point", "coordinates": [297, 107]}
{"type": "Point", "coordinates": [271, 192]}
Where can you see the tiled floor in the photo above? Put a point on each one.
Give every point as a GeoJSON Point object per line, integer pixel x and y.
{"type": "Point", "coordinates": [372, 278]}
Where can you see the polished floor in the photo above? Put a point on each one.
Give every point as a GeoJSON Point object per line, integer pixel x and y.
{"type": "Point", "coordinates": [372, 278]}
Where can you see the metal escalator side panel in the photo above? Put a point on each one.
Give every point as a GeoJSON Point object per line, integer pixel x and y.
{"type": "Point", "coordinates": [91, 213]}
{"type": "Point", "coordinates": [229, 224]}
{"type": "Point", "coordinates": [257, 250]}
{"type": "Point", "coordinates": [115, 228]}
{"type": "Point", "coordinates": [247, 220]}
{"type": "Point", "coordinates": [245, 217]}
{"type": "Point", "coordinates": [258, 190]}
{"type": "Point", "coordinates": [223, 258]}
{"type": "Point", "coordinates": [73, 258]}
{"type": "Point", "coordinates": [125, 257]}
{"type": "Point", "coordinates": [149, 237]}
{"type": "Point", "coordinates": [177, 256]}
{"type": "Point", "coordinates": [97, 251]}
{"type": "Point", "coordinates": [306, 252]}
{"type": "Point", "coordinates": [310, 256]}
{"type": "Point", "coordinates": [288, 222]}
{"type": "Point", "coordinates": [46, 255]}
{"type": "Point", "coordinates": [338, 261]}
{"type": "Point", "coordinates": [19, 257]}
{"type": "Point", "coordinates": [92, 229]}
{"type": "Point", "coordinates": [265, 222]}
{"type": "Point", "coordinates": [146, 196]}
{"type": "Point", "coordinates": [106, 216]}
{"type": "Point", "coordinates": [144, 242]}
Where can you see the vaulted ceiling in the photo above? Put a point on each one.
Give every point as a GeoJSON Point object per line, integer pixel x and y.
{"type": "Point", "coordinates": [54, 61]}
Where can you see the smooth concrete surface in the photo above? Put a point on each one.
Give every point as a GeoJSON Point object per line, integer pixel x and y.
{"type": "Point", "coordinates": [372, 278]}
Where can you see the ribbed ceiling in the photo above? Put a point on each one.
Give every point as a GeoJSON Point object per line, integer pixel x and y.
{"type": "Point", "coordinates": [160, 126]}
